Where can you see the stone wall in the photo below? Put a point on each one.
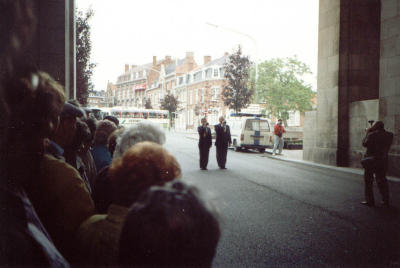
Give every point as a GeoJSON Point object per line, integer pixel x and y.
{"type": "Point", "coordinates": [47, 51]}
{"type": "Point", "coordinates": [326, 116]}
{"type": "Point", "coordinates": [389, 87]}
{"type": "Point", "coordinates": [309, 134]}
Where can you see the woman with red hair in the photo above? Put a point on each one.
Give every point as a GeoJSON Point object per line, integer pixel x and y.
{"type": "Point", "coordinates": [144, 165]}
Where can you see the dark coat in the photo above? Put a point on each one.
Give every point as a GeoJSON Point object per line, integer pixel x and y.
{"type": "Point", "coordinates": [101, 156]}
{"type": "Point", "coordinates": [223, 137]}
{"type": "Point", "coordinates": [24, 241]}
{"type": "Point", "coordinates": [378, 143]}
{"type": "Point", "coordinates": [205, 139]}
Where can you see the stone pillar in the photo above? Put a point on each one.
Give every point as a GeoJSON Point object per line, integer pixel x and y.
{"type": "Point", "coordinates": [70, 49]}
{"type": "Point", "coordinates": [358, 70]}
{"type": "Point", "coordinates": [389, 86]}
{"type": "Point", "coordinates": [323, 147]}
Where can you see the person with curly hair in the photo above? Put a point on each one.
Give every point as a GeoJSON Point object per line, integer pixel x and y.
{"type": "Point", "coordinates": [143, 131]}
{"type": "Point", "coordinates": [144, 165]}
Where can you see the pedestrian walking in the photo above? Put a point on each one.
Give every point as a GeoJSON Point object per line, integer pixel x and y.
{"type": "Point", "coordinates": [205, 143]}
{"type": "Point", "coordinates": [278, 137]}
{"type": "Point", "coordinates": [375, 162]}
{"type": "Point", "coordinates": [223, 140]}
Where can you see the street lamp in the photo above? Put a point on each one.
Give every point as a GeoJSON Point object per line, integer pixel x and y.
{"type": "Point", "coordinates": [244, 34]}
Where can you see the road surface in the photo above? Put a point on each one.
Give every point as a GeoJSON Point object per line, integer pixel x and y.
{"type": "Point", "coordinates": [277, 213]}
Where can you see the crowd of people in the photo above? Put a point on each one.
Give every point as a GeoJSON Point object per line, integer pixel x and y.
{"type": "Point", "coordinates": [79, 192]}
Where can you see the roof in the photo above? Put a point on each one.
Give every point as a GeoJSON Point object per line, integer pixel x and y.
{"type": "Point", "coordinates": [219, 61]}
{"type": "Point", "coordinates": [171, 68]}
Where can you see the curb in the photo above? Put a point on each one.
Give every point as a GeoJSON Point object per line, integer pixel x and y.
{"type": "Point", "coordinates": [357, 171]}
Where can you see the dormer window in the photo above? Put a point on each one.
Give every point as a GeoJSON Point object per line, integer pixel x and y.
{"type": "Point", "coordinates": [215, 72]}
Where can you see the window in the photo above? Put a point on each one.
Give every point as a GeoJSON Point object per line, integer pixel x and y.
{"type": "Point", "coordinates": [208, 73]}
{"type": "Point", "coordinates": [215, 72]}
{"type": "Point", "coordinates": [188, 79]}
{"type": "Point", "coordinates": [190, 97]}
{"type": "Point", "coordinates": [197, 76]}
{"type": "Point", "coordinates": [264, 125]}
{"type": "Point", "coordinates": [221, 72]}
{"type": "Point", "coordinates": [190, 117]}
{"type": "Point", "coordinates": [294, 119]}
{"type": "Point", "coordinates": [202, 95]}
{"type": "Point", "coordinates": [181, 80]}
{"type": "Point", "coordinates": [215, 94]}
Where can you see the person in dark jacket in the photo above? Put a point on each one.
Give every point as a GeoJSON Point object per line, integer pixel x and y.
{"type": "Point", "coordinates": [205, 142]}
{"type": "Point", "coordinates": [34, 100]}
{"type": "Point", "coordinates": [378, 142]}
{"type": "Point", "coordinates": [223, 140]}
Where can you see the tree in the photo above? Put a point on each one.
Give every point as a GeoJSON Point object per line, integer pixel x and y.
{"type": "Point", "coordinates": [170, 103]}
{"type": "Point", "coordinates": [237, 93]}
{"type": "Point", "coordinates": [281, 86]}
{"type": "Point", "coordinates": [84, 68]}
{"type": "Point", "coordinates": [147, 104]}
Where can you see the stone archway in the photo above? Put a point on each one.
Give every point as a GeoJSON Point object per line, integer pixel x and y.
{"type": "Point", "coordinates": [358, 80]}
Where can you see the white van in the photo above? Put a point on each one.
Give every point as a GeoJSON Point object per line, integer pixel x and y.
{"type": "Point", "coordinates": [250, 133]}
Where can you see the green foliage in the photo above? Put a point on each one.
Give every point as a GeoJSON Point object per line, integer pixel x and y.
{"type": "Point", "coordinates": [170, 103]}
{"type": "Point", "coordinates": [281, 86]}
{"type": "Point", "coordinates": [237, 94]}
{"type": "Point", "coordinates": [147, 104]}
{"type": "Point", "coordinates": [84, 68]}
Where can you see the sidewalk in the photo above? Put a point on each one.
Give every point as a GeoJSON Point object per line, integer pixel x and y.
{"type": "Point", "coordinates": [296, 156]}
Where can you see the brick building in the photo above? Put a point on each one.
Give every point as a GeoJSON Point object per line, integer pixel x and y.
{"type": "Point", "coordinates": [199, 93]}
{"type": "Point", "coordinates": [197, 87]}
{"type": "Point", "coordinates": [162, 77]}
{"type": "Point", "coordinates": [97, 99]}
{"type": "Point", "coordinates": [131, 85]}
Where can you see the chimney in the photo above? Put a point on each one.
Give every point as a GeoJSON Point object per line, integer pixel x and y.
{"type": "Point", "coordinates": [207, 59]}
{"type": "Point", "coordinates": [126, 68]}
{"type": "Point", "coordinates": [154, 60]}
{"type": "Point", "coordinates": [189, 55]}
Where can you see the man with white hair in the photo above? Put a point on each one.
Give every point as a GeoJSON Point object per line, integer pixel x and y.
{"type": "Point", "coordinates": [143, 131]}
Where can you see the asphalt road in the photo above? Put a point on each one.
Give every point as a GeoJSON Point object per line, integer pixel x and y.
{"type": "Point", "coordinates": [277, 213]}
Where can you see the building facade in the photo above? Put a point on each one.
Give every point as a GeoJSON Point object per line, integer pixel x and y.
{"type": "Point", "coordinates": [199, 93]}
{"type": "Point", "coordinates": [97, 99]}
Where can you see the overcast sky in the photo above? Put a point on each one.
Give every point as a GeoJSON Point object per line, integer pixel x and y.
{"type": "Point", "coordinates": [132, 32]}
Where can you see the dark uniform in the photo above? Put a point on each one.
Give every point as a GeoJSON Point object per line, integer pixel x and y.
{"type": "Point", "coordinates": [378, 144]}
{"type": "Point", "coordinates": [205, 142]}
{"type": "Point", "coordinates": [222, 140]}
